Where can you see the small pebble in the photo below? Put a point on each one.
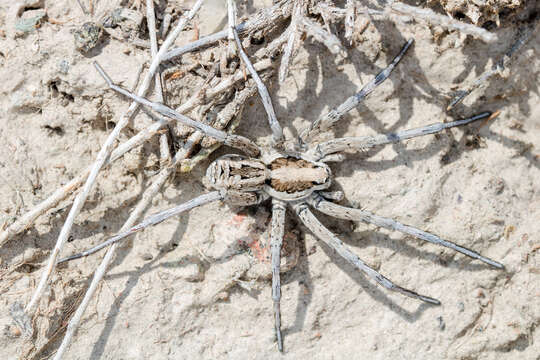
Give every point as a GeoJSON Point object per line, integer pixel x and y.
{"type": "Point", "coordinates": [63, 65]}
{"type": "Point", "coordinates": [146, 256]}
{"type": "Point", "coordinates": [442, 324]}
{"type": "Point", "coordinates": [87, 36]}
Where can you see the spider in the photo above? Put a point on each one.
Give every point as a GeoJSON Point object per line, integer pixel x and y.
{"type": "Point", "coordinates": [295, 174]}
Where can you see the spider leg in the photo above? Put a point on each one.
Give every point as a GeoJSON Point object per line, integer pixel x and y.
{"type": "Point", "coordinates": [325, 235]}
{"type": "Point", "coordinates": [277, 131]}
{"type": "Point", "coordinates": [334, 115]}
{"type": "Point", "coordinates": [361, 143]}
{"type": "Point", "coordinates": [150, 221]}
{"type": "Point", "coordinates": [236, 141]}
{"type": "Point", "coordinates": [342, 212]}
{"type": "Point", "coordinates": [276, 241]}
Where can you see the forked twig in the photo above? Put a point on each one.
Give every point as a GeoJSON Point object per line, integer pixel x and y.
{"type": "Point", "coordinates": [264, 19]}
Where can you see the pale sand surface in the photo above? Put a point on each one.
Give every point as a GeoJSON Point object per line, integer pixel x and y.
{"type": "Point", "coordinates": [478, 186]}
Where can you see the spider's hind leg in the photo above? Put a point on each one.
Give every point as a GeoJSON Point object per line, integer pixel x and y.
{"type": "Point", "coordinates": [342, 212]}
{"type": "Point", "coordinates": [326, 236]}
{"type": "Point", "coordinates": [276, 241]}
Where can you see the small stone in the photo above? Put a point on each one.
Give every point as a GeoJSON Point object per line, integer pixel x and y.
{"type": "Point", "coordinates": [87, 36]}
{"type": "Point", "coordinates": [442, 324]}
{"type": "Point", "coordinates": [222, 296]}
{"type": "Point", "coordinates": [146, 256]}
{"type": "Point", "coordinates": [30, 21]}
{"type": "Point", "coordinates": [63, 66]}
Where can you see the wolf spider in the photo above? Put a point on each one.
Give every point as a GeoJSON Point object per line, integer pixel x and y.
{"type": "Point", "coordinates": [297, 176]}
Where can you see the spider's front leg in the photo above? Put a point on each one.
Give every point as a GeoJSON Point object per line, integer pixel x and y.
{"type": "Point", "coordinates": [325, 121]}
{"type": "Point", "coordinates": [235, 141]}
{"type": "Point", "coordinates": [326, 236]}
{"type": "Point", "coordinates": [342, 212]}
{"type": "Point", "coordinates": [362, 143]}
{"type": "Point", "coordinates": [276, 241]}
{"type": "Point", "coordinates": [153, 220]}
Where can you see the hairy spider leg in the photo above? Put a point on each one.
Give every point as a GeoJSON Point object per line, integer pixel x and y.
{"type": "Point", "coordinates": [342, 212]}
{"type": "Point", "coordinates": [277, 131]}
{"type": "Point", "coordinates": [326, 236]}
{"type": "Point", "coordinates": [236, 141]}
{"type": "Point", "coordinates": [276, 241]}
{"type": "Point", "coordinates": [150, 221]}
{"type": "Point", "coordinates": [327, 120]}
{"type": "Point", "coordinates": [362, 143]}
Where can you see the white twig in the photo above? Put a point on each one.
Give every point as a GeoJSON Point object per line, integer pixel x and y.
{"type": "Point", "coordinates": [141, 206]}
{"type": "Point", "coordinates": [165, 154]}
{"type": "Point", "coordinates": [433, 18]}
{"type": "Point", "coordinates": [277, 131]}
{"type": "Point", "coordinates": [101, 270]}
{"type": "Point", "coordinates": [523, 38]}
{"type": "Point", "coordinates": [330, 40]}
{"type": "Point", "coordinates": [291, 42]}
{"type": "Point", "coordinates": [264, 19]}
{"type": "Point", "coordinates": [335, 13]}
{"type": "Point", "coordinates": [235, 141]}
{"type": "Point", "coordinates": [100, 161]}
{"type": "Point", "coordinates": [231, 14]}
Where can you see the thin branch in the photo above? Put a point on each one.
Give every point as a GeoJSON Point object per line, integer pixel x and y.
{"type": "Point", "coordinates": [165, 154]}
{"type": "Point", "coordinates": [523, 38]}
{"type": "Point", "coordinates": [277, 131]}
{"type": "Point", "coordinates": [264, 19]}
{"type": "Point", "coordinates": [236, 141]}
{"type": "Point", "coordinates": [433, 18]}
{"type": "Point", "coordinates": [292, 39]}
{"type": "Point", "coordinates": [231, 17]}
{"type": "Point", "coordinates": [147, 197]}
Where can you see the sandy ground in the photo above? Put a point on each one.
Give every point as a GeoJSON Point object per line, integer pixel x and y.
{"type": "Point", "coordinates": [173, 294]}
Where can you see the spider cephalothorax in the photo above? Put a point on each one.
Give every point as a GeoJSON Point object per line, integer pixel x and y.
{"type": "Point", "coordinates": [281, 176]}
{"type": "Point", "coordinates": [297, 179]}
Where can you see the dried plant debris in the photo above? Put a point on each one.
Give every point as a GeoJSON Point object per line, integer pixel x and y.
{"type": "Point", "coordinates": [479, 12]}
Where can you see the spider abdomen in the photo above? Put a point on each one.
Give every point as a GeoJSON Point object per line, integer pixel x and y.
{"type": "Point", "coordinates": [292, 175]}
